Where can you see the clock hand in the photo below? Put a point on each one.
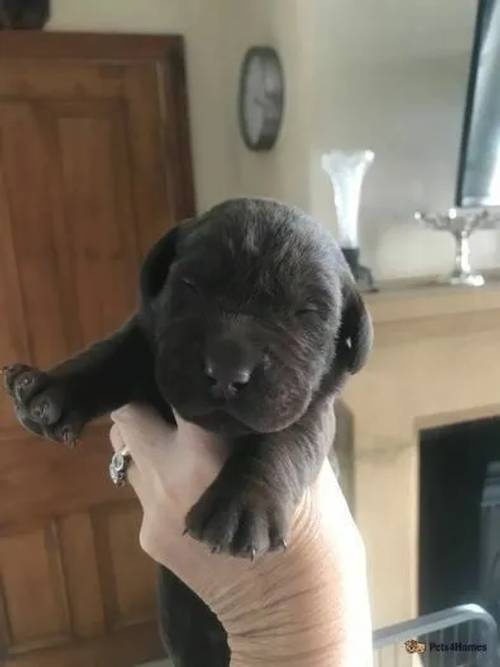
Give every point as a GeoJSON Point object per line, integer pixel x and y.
{"type": "Point", "coordinates": [260, 102]}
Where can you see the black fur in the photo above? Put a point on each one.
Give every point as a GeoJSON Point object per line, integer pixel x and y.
{"type": "Point", "coordinates": [249, 319]}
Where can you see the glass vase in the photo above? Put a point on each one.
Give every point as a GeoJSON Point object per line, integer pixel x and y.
{"type": "Point", "coordinates": [346, 170]}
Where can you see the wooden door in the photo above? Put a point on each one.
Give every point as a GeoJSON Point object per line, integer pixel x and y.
{"type": "Point", "coordinates": [94, 165]}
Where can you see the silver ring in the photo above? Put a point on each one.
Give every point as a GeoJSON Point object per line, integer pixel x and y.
{"type": "Point", "coordinates": [118, 467]}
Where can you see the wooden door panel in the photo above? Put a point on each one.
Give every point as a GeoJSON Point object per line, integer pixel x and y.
{"type": "Point", "coordinates": [33, 591]}
{"type": "Point", "coordinates": [26, 182]}
{"type": "Point", "coordinates": [53, 480]}
{"type": "Point", "coordinates": [138, 86]}
{"type": "Point", "coordinates": [126, 576]}
{"type": "Point", "coordinates": [94, 167]}
{"type": "Point", "coordinates": [13, 335]}
{"type": "Point", "coordinates": [84, 156]}
{"type": "Point", "coordinates": [80, 557]}
{"type": "Point", "coordinates": [152, 185]}
{"type": "Point", "coordinates": [47, 600]}
{"type": "Point", "coordinates": [63, 80]}
{"type": "Point", "coordinates": [123, 648]}
{"type": "Point", "coordinates": [101, 226]}
{"type": "Point", "coordinates": [80, 573]}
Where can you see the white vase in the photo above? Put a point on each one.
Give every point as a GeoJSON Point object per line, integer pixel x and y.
{"type": "Point", "coordinates": [346, 170]}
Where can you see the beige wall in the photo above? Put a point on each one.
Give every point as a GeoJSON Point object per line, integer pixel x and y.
{"type": "Point", "coordinates": [375, 73]}
{"type": "Point", "coordinates": [392, 76]}
{"type": "Point", "coordinates": [217, 34]}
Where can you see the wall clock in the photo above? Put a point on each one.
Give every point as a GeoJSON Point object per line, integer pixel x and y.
{"type": "Point", "coordinates": [261, 98]}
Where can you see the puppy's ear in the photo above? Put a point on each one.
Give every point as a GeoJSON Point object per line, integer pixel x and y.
{"type": "Point", "coordinates": [157, 263]}
{"type": "Point", "coordinates": [355, 336]}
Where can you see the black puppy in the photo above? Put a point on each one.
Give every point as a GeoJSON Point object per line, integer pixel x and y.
{"type": "Point", "coordinates": [249, 319]}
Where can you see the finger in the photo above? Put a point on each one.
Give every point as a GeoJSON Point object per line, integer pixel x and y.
{"type": "Point", "coordinates": [116, 438]}
{"type": "Point", "coordinates": [134, 411]}
{"type": "Point", "coordinates": [144, 417]}
{"type": "Point", "coordinates": [118, 445]}
{"type": "Point", "coordinates": [138, 462]}
{"type": "Point", "coordinates": [133, 473]}
{"type": "Point", "coordinates": [142, 429]}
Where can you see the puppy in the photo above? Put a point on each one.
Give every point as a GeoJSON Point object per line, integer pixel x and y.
{"type": "Point", "coordinates": [248, 321]}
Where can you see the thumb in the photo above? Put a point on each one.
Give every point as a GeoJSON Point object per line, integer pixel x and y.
{"type": "Point", "coordinates": [142, 429]}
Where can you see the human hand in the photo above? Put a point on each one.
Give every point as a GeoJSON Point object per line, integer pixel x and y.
{"type": "Point", "coordinates": [307, 606]}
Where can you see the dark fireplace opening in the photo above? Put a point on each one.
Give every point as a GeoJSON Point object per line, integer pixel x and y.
{"type": "Point", "coordinates": [459, 523]}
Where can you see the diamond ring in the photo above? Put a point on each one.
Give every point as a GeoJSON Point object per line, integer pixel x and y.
{"type": "Point", "coordinates": [118, 467]}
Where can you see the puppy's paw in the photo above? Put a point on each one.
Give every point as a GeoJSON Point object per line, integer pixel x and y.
{"type": "Point", "coordinates": [39, 403]}
{"type": "Point", "coordinates": [245, 521]}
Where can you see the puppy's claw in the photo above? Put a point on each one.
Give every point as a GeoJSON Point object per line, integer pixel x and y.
{"type": "Point", "coordinates": [283, 544]}
{"type": "Point", "coordinates": [40, 410]}
{"type": "Point", "coordinates": [215, 550]}
{"type": "Point", "coordinates": [69, 438]}
{"type": "Point", "coordinates": [253, 551]}
{"type": "Point", "coordinates": [185, 531]}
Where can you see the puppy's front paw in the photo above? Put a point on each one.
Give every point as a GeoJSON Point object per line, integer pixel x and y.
{"type": "Point", "coordinates": [243, 520]}
{"type": "Point", "coordinates": [39, 403]}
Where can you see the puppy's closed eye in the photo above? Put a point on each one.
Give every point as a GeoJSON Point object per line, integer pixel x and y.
{"type": "Point", "coordinates": [190, 284]}
{"type": "Point", "coordinates": [308, 310]}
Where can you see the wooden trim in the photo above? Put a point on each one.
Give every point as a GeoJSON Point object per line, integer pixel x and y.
{"type": "Point", "coordinates": [399, 303]}
{"type": "Point", "coordinates": [119, 649]}
{"type": "Point", "coordinates": [178, 140]}
{"type": "Point", "coordinates": [95, 46]}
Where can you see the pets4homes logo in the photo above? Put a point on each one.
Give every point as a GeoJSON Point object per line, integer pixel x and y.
{"type": "Point", "coordinates": [415, 646]}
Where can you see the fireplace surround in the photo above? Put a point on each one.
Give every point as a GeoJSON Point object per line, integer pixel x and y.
{"type": "Point", "coordinates": [459, 533]}
{"type": "Point", "coordinates": [436, 362]}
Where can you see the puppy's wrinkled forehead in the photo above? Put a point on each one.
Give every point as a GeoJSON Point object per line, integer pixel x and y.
{"type": "Point", "coordinates": [261, 247]}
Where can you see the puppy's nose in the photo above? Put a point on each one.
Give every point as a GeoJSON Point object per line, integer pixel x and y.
{"type": "Point", "coordinates": [229, 365]}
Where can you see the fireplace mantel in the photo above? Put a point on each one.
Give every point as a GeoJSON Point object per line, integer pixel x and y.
{"type": "Point", "coordinates": [436, 361]}
{"type": "Point", "coordinates": [409, 301]}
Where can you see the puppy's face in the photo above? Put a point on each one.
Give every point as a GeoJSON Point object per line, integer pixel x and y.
{"type": "Point", "coordinates": [246, 306]}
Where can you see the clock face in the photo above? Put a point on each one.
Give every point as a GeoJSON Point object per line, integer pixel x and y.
{"type": "Point", "coordinates": [261, 98]}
